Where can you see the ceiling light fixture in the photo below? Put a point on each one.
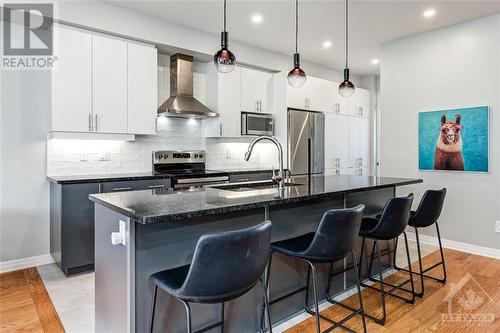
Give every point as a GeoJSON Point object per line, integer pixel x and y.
{"type": "Point", "coordinates": [296, 77]}
{"type": "Point", "coordinates": [257, 18]}
{"type": "Point", "coordinates": [224, 59]}
{"type": "Point", "coordinates": [346, 88]}
{"type": "Point", "coordinates": [429, 13]}
{"type": "Point", "coordinates": [375, 61]}
{"type": "Point", "coordinates": [327, 44]}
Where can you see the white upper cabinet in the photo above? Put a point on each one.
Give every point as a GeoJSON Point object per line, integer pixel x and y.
{"type": "Point", "coordinates": [72, 82]}
{"type": "Point", "coordinates": [103, 84]}
{"type": "Point", "coordinates": [359, 141]}
{"type": "Point", "coordinates": [359, 103]}
{"type": "Point", "coordinates": [142, 88]}
{"type": "Point", "coordinates": [336, 141]}
{"type": "Point", "coordinates": [255, 90]}
{"type": "Point", "coordinates": [109, 86]}
{"type": "Point", "coordinates": [223, 96]}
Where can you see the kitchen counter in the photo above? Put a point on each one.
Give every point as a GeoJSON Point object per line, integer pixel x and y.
{"type": "Point", "coordinates": [98, 178]}
{"type": "Point", "coordinates": [155, 206]}
{"type": "Point", "coordinates": [158, 229]}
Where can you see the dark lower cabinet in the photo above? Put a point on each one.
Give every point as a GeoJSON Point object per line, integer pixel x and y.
{"type": "Point", "coordinates": [72, 226]}
{"type": "Point", "coordinates": [72, 220]}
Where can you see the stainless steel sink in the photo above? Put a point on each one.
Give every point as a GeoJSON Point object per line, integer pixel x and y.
{"type": "Point", "coordinates": [251, 189]}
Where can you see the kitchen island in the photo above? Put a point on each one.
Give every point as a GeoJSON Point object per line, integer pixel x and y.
{"type": "Point", "coordinates": [158, 229]}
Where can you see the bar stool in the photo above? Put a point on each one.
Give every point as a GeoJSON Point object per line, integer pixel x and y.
{"type": "Point", "coordinates": [333, 240]}
{"type": "Point", "coordinates": [225, 266]}
{"type": "Point", "coordinates": [427, 214]}
{"type": "Point", "coordinates": [390, 225]}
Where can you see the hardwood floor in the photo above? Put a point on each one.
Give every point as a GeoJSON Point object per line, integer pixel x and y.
{"type": "Point", "coordinates": [475, 279]}
{"type": "Point", "coordinates": [25, 305]}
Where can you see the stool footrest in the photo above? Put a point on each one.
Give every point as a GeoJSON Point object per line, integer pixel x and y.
{"type": "Point", "coordinates": [209, 327]}
{"type": "Point", "coordinates": [287, 295]}
{"type": "Point", "coordinates": [335, 323]}
{"type": "Point", "coordinates": [355, 311]}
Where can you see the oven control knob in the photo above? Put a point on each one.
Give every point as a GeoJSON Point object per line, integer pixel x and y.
{"type": "Point", "coordinates": [201, 155]}
{"type": "Point", "coordinates": [166, 156]}
{"type": "Point", "coordinates": [195, 155]}
{"type": "Point", "coordinates": [160, 157]}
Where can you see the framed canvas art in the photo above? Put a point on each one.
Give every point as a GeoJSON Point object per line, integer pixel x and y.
{"type": "Point", "coordinates": [454, 140]}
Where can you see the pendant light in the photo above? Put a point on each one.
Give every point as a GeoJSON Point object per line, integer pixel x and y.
{"type": "Point", "coordinates": [296, 77]}
{"type": "Point", "coordinates": [224, 59]}
{"type": "Point", "coordinates": [346, 88]}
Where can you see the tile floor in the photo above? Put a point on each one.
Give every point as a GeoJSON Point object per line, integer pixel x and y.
{"type": "Point", "coordinates": [73, 297]}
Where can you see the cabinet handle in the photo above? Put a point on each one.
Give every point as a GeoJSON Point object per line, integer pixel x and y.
{"type": "Point", "coordinates": [243, 179]}
{"type": "Point", "coordinates": [157, 186]}
{"type": "Point", "coordinates": [90, 122]}
{"type": "Point", "coordinates": [95, 122]}
{"type": "Point", "coordinates": [122, 188]}
{"type": "Point", "coordinates": [220, 129]}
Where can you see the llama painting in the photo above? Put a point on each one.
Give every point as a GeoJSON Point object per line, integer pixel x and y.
{"type": "Point", "coordinates": [454, 140]}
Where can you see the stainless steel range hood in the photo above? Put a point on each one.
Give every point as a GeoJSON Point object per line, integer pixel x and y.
{"type": "Point", "coordinates": [181, 102]}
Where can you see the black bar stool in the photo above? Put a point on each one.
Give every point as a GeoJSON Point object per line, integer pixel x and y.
{"type": "Point", "coordinates": [390, 225]}
{"type": "Point", "coordinates": [333, 240]}
{"type": "Point", "coordinates": [225, 266]}
{"type": "Point", "coordinates": [427, 214]}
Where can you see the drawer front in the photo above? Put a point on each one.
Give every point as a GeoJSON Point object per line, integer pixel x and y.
{"type": "Point", "coordinates": [135, 185]}
{"type": "Point", "coordinates": [250, 177]}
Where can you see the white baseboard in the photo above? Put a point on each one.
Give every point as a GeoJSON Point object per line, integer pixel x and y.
{"type": "Point", "coordinates": [303, 315]}
{"type": "Point", "coordinates": [14, 265]}
{"type": "Point", "coordinates": [459, 246]}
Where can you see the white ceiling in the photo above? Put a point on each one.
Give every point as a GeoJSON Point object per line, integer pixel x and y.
{"type": "Point", "coordinates": [372, 22]}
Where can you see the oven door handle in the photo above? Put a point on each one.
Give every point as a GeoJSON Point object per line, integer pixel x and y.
{"type": "Point", "coordinates": [202, 180]}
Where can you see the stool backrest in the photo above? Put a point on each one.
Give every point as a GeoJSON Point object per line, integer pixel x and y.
{"type": "Point", "coordinates": [228, 264]}
{"type": "Point", "coordinates": [394, 218]}
{"type": "Point", "coordinates": [429, 208]}
{"type": "Point", "coordinates": [336, 233]}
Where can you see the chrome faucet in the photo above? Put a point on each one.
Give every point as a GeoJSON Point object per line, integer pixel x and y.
{"type": "Point", "coordinates": [280, 179]}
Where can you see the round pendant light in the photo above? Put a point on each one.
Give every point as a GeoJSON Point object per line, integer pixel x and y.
{"type": "Point", "coordinates": [346, 88]}
{"type": "Point", "coordinates": [224, 59]}
{"type": "Point", "coordinates": [296, 77]}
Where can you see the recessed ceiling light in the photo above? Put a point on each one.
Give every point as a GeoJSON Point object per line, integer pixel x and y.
{"type": "Point", "coordinates": [327, 44]}
{"type": "Point", "coordinates": [375, 61]}
{"type": "Point", "coordinates": [256, 18]}
{"type": "Point", "coordinates": [429, 13]}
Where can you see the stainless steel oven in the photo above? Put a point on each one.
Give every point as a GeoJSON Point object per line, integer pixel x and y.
{"type": "Point", "coordinates": [253, 123]}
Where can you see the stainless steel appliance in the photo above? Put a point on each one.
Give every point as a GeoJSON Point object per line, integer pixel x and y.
{"type": "Point", "coordinates": [186, 169]}
{"type": "Point", "coordinates": [181, 102]}
{"type": "Point", "coordinates": [306, 142]}
{"type": "Point", "coordinates": [253, 123]}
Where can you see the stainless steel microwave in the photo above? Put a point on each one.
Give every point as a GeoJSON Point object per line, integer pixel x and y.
{"type": "Point", "coordinates": [253, 123]}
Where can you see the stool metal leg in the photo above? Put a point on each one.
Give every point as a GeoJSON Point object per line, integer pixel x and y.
{"type": "Point", "coordinates": [266, 291]}
{"type": "Point", "coordinates": [153, 306]}
{"type": "Point", "coordinates": [267, 309]}
{"type": "Point", "coordinates": [188, 316]}
{"type": "Point", "coordinates": [382, 298]}
{"type": "Point", "coordinates": [409, 268]}
{"type": "Point", "coordinates": [421, 293]}
{"type": "Point", "coordinates": [443, 280]}
{"type": "Point", "coordinates": [315, 294]}
{"type": "Point", "coordinates": [222, 317]}
{"type": "Point", "coordinates": [358, 286]}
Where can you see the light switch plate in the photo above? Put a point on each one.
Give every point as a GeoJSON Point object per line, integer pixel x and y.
{"type": "Point", "coordinates": [105, 157]}
{"type": "Point", "coordinates": [497, 226]}
{"type": "Point", "coordinates": [83, 157]}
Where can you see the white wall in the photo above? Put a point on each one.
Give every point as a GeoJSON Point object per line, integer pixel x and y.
{"type": "Point", "coordinates": [454, 67]}
{"type": "Point", "coordinates": [24, 205]}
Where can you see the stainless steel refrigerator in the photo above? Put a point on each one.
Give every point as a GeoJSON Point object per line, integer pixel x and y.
{"type": "Point", "coordinates": [306, 142]}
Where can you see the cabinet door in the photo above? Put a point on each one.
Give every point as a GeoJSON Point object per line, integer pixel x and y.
{"type": "Point", "coordinates": [142, 89]}
{"type": "Point", "coordinates": [354, 141]}
{"type": "Point", "coordinates": [359, 103]}
{"type": "Point", "coordinates": [229, 104]}
{"type": "Point", "coordinates": [365, 141]}
{"type": "Point", "coordinates": [336, 141]}
{"type": "Point", "coordinates": [109, 85]}
{"type": "Point", "coordinates": [254, 90]}
{"type": "Point", "coordinates": [72, 82]}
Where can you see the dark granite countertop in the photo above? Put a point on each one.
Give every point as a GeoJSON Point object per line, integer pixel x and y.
{"type": "Point", "coordinates": [98, 178]}
{"type": "Point", "coordinates": [154, 206]}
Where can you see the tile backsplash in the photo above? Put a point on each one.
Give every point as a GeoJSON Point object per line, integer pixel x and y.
{"type": "Point", "coordinates": [83, 157]}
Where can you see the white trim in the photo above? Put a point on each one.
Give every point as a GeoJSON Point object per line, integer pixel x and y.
{"type": "Point", "coordinates": [13, 265]}
{"type": "Point", "coordinates": [303, 315]}
{"type": "Point", "coordinates": [455, 245]}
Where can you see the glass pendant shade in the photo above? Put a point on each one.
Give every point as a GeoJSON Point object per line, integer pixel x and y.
{"type": "Point", "coordinates": [224, 60]}
{"type": "Point", "coordinates": [296, 77]}
{"type": "Point", "coordinates": [346, 88]}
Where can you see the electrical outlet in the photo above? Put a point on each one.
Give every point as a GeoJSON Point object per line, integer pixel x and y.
{"type": "Point", "coordinates": [83, 157]}
{"type": "Point", "coordinates": [105, 156]}
{"type": "Point", "coordinates": [497, 226]}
